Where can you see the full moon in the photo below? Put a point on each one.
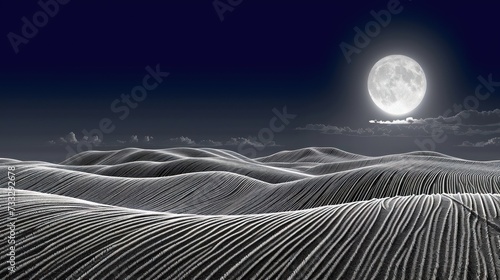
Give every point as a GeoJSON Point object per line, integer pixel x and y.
{"type": "Point", "coordinates": [397, 84]}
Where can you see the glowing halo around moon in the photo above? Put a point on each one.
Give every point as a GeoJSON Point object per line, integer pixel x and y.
{"type": "Point", "coordinates": [397, 84]}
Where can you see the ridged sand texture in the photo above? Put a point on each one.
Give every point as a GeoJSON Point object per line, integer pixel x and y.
{"type": "Point", "coordinates": [316, 213]}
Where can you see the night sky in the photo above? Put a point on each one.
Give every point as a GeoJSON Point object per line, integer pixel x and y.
{"type": "Point", "coordinates": [227, 79]}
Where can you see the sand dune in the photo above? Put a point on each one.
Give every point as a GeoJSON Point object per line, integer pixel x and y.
{"type": "Point", "coordinates": [415, 237]}
{"type": "Point", "coordinates": [217, 183]}
{"type": "Point", "coordinates": [315, 213]}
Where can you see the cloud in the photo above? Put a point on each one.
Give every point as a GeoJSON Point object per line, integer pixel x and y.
{"type": "Point", "coordinates": [234, 141]}
{"type": "Point", "coordinates": [134, 139]}
{"type": "Point", "coordinates": [94, 140]}
{"type": "Point", "coordinates": [69, 138]}
{"type": "Point", "coordinates": [473, 117]}
{"type": "Point", "coordinates": [408, 120]}
{"type": "Point", "coordinates": [251, 141]}
{"type": "Point", "coordinates": [493, 142]}
{"type": "Point", "coordinates": [210, 143]}
{"type": "Point", "coordinates": [466, 117]}
{"type": "Point", "coordinates": [377, 130]}
{"type": "Point", "coordinates": [182, 140]}
{"type": "Point", "coordinates": [465, 123]}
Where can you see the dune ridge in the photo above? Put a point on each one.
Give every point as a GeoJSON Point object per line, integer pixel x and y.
{"type": "Point", "coordinates": [218, 182]}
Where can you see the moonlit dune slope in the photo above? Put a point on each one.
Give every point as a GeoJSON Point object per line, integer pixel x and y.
{"type": "Point", "coordinates": [217, 182]}
{"type": "Point", "coordinates": [315, 213]}
{"type": "Point", "coordinates": [413, 237]}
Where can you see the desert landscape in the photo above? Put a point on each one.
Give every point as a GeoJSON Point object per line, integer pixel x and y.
{"type": "Point", "coordinates": [203, 213]}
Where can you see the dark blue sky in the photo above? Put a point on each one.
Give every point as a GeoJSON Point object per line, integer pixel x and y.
{"type": "Point", "coordinates": [226, 77]}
